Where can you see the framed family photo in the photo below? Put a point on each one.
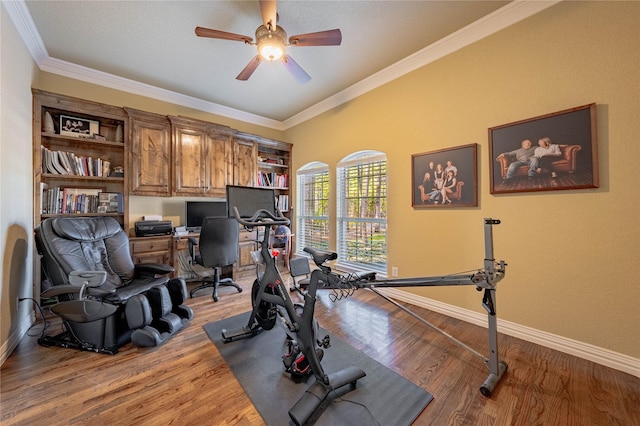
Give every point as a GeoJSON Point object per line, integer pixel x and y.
{"type": "Point", "coordinates": [556, 151]}
{"type": "Point", "coordinates": [78, 127]}
{"type": "Point", "coordinates": [445, 178]}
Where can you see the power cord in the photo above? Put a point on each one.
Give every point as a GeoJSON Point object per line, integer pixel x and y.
{"type": "Point", "coordinates": [45, 323]}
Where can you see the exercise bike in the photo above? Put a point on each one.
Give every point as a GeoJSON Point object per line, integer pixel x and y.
{"type": "Point", "coordinates": [255, 208]}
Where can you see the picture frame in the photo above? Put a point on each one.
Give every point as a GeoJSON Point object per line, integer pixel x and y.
{"type": "Point", "coordinates": [432, 187]}
{"type": "Point", "coordinates": [572, 131]}
{"type": "Point", "coordinates": [78, 127]}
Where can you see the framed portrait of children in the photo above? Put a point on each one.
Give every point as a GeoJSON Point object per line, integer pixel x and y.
{"type": "Point", "coordinates": [547, 153]}
{"type": "Point", "coordinates": [445, 178]}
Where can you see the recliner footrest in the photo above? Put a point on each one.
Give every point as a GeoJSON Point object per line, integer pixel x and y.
{"type": "Point", "coordinates": [139, 317]}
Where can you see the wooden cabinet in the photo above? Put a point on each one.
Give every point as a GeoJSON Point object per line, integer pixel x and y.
{"type": "Point", "coordinates": [202, 157]}
{"type": "Point", "coordinates": [151, 250]}
{"type": "Point", "coordinates": [149, 154]}
{"type": "Point", "coordinates": [79, 158]}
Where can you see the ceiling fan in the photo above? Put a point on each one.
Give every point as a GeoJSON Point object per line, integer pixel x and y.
{"type": "Point", "coordinates": [271, 40]}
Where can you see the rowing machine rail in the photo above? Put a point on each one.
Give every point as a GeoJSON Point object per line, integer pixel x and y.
{"type": "Point", "coordinates": [485, 279]}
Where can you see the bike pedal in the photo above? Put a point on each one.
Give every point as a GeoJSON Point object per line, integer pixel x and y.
{"type": "Point", "coordinates": [325, 342]}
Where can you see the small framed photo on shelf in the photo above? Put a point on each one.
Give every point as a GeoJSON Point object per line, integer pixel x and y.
{"type": "Point", "coordinates": [445, 178]}
{"type": "Point", "coordinates": [546, 153]}
{"type": "Point", "coordinates": [78, 127]}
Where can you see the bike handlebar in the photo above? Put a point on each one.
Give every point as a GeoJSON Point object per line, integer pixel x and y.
{"type": "Point", "coordinates": [261, 217]}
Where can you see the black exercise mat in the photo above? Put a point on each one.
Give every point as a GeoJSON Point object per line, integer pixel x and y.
{"type": "Point", "coordinates": [382, 397]}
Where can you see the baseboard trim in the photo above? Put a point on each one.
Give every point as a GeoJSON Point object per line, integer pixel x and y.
{"type": "Point", "coordinates": [576, 348]}
{"type": "Point", "coordinates": [14, 338]}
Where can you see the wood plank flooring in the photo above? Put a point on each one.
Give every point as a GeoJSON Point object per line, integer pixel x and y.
{"type": "Point", "coordinates": [186, 382]}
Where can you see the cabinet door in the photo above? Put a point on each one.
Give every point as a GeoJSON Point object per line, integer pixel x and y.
{"type": "Point", "coordinates": [149, 154]}
{"type": "Point", "coordinates": [202, 157]}
{"type": "Point", "coordinates": [189, 160]}
{"type": "Point", "coordinates": [245, 157]}
{"type": "Point", "coordinates": [219, 155]}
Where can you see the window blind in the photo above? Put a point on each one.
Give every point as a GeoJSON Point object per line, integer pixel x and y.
{"type": "Point", "coordinates": [362, 212]}
{"type": "Point", "coordinates": [312, 216]}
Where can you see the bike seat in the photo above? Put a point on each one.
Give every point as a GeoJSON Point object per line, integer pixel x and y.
{"type": "Point", "coordinates": [321, 256]}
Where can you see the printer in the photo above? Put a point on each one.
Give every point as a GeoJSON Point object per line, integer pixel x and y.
{"type": "Point", "coordinates": [150, 228]}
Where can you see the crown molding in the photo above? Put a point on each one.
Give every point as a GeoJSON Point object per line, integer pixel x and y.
{"type": "Point", "coordinates": [25, 26]}
{"type": "Point", "coordinates": [502, 18]}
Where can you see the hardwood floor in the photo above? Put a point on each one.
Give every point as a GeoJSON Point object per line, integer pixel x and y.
{"type": "Point", "coordinates": [186, 382]}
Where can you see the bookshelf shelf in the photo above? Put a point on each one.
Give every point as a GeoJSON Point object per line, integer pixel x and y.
{"type": "Point", "coordinates": [274, 162]}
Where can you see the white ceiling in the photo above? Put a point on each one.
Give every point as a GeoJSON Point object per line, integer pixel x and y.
{"type": "Point", "coordinates": [150, 48]}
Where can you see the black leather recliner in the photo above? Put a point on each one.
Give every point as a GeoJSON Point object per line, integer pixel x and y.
{"type": "Point", "coordinates": [104, 300]}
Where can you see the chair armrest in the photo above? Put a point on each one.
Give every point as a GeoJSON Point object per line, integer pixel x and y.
{"type": "Point", "coordinates": [59, 290]}
{"type": "Point", "coordinates": [151, 269]}
{"type": "Point", "coordinates": [193, 242]}
{"type": "Point", "coordinates": [100, 291]}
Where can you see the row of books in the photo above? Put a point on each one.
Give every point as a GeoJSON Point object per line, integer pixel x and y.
{"type": "Point", "coordinates": [273, 180]}
{"type": "Point", "coordinates": [282, 202]}
{"type": "Point", "coordinates": [68, 163]}
{"type": "Point", "coordinates": [79, 201]}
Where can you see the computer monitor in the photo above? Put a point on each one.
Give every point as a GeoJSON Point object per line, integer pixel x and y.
{"type": "Point", "coordinates": [196, 211]}
{"type": "Point", "coordinates": [249, 200]}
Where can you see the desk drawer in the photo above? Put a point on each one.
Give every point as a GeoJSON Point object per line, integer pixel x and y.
{"type": "Point", "coordinates": [246, 236]}
{"type": "Point", "coordinates": [150, 244]}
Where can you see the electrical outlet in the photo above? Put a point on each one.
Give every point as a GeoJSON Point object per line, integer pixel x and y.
{"type": "Point", "coordinates": [394, 271]}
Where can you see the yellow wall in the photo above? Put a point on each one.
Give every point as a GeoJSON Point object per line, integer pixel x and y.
{"type": "Point", "coordinates": [573, 256]}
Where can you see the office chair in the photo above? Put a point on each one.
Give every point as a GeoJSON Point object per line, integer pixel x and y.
{"type": "Point", "coordinates": [218, 247]}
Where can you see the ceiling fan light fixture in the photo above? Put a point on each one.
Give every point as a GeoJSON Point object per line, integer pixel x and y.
{"type": "Point", "coordinates": [271, 44]}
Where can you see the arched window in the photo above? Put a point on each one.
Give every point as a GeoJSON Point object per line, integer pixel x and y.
{"type": "Point", "coordinates": [312, 200]}
{"type": "Point", "coordinates": [362, 212]}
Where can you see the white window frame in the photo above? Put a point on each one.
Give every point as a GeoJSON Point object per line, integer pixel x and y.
{"type": "Point", "coordinates": [354, 252]}
{"type": "Point", "coordinates": [312, 229]}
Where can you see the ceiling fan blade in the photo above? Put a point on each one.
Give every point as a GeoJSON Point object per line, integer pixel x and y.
{"type": "Point", "coordinates": [249, 69]}
{"type": "Point", "coordinates": [321, 38]}
{"type": "Point", "coordinates": [268, 9]}
{"type": "Point", "coordinates": [208, 32]}
{"type": "Point", "coordinates": [295, 69]}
